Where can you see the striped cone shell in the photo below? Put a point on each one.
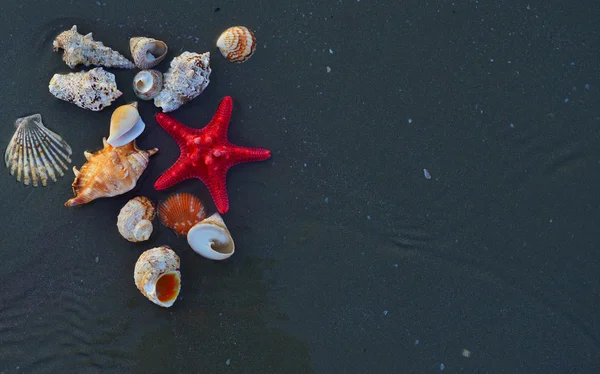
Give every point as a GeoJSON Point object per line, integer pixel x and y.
{"type": "Point", "coordinates": [237, 44]}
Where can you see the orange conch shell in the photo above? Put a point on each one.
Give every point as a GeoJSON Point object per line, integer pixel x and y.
{"type": "Point", "coordinates": [109, 172]}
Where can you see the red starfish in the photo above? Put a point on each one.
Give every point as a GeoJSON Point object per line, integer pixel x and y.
{"type": "Point", "coordinates": [206, 154]}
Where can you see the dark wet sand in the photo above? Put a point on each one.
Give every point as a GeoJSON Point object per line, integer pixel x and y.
{"type": "Point", "coordinates": [348, 259]}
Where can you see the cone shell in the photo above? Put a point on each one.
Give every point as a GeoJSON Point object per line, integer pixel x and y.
{"type": "Point", "coordinates": [135, 219]}
{"type": "Point", "coordinates": [157, 275]}
{"type": "Point", "coordinates": [80, 49]}
{"type": "Point", "coordinates": [125, 125]}
{"type": "Point", "coordinates": [237, 44]}
{"type": "Point", "coordinates": [147, 84]}
{"type": "Point", "coordinates": [147, 52]}
{"type": "Point", "coordinates": [211, 239]}
{"type": "Point", "coordinates": [35, 153]}
{"type": "Point", "coordinates": [180, 212]}
{"type": "Point", "coordinates": [93, 90]}
{"type": "Point", "coordinates": [109, 172]}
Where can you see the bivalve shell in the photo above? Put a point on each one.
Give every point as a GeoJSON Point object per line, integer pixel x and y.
{"type": "Point", "coordinates": [157, 275]}
{"type": "Point", "coordinates": [210, 238]}
{"type": "Point", "coordinates": [180, 212]}
{"type": "Point", "coordinates": [237, 44]}
{"type": "Point", "coordinates": [135, 219]}
{"type": "Point", "coordinates": [147, 52]}
{"type": "Point", "coordinates": [147, 84]}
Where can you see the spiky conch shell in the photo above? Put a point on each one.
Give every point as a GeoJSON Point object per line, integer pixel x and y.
{"type": "Point", "coordinates": [80, 49]}
{"type": "Point", "coordinates": [180, 212]}
{"type": "Point", "coordinates": [237, 44]}
{"type": "Point", "coordinates": [135, 219]}
{"type": "Point", "coordinates": [187, 77]}
{"type": "Point", "coordinates": [109, 172]}
{"type": "Point", "coordinates": [147, 52]}
{"type": "Point", "coordinates": [147, 84]}
{"type": "Point", "coordinates": [151, 267]}
{"type": "Point", "coordinates": [210, 238]}
{"type": "Point", "coordinates": [36, 153]}
{"type": "Point", "coordinates": [94, 90]}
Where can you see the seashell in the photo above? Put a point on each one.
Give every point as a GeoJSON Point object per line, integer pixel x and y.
{"type": "Point", "coordinates": [93, 90]}
{"type": "Point", "coordinates": [109, 172]}
{"type": "Point", "coordinates": [210, 238]}
{"type": "Point", "coordinates": [180, 212]}
{"type": "Point", "coordinates": [237, 44]}
{"type": "Point", "coordinates": [80, 49]}
{"type": "Point", "coordinates": [125, 125]}
{"type": "Point", "coordinates": [35, 153]}
{"type": "Point", "coordinates": [135, 219]}
{"type": "Point", "coordinates": [157, 275]}
{"type": "Point", "coordinates": [187, 77]}
{"type": "Point", "coordinates": [147, 84]}
{"type": "Point", "coordinates": [147, 52]}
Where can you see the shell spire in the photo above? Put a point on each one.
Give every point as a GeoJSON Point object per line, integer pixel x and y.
{"type": "Point", "coordinates": [109, 172]}
{"type": "Point", "coordinates": [83, 49]}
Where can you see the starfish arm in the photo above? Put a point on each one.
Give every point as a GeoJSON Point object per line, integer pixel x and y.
{"type": "Point", "coordinates": [220, 121]}
{"type": "Point", "coordinates": [176, 129]}
{"type": "Point", "coordinates": [175, 174]}
{"type": "Point", "coordinates": [217, 187]}
{"type": "Point", "coordinates": [239, 154]}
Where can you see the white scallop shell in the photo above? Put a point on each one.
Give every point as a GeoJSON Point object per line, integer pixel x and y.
{"type": "Point", "coordinates": [210, 238]}
{"type": "Point", "coordinates": [125, 125]}
{"type": "Point", "coordinates": [36, 153]}
{"type": "Point", "coordinates": [150, 267]}
{"type": "Point", "coordinates": [147, 84]}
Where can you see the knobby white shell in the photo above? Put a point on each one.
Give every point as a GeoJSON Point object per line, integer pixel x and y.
{"type": "Point", "coordinates": [36, 153]}
{"type": "Point", "coordinates": [147, 52]}
{"type": "Point", "coordinates": [147, 84]}
{"type": "Point", "coordinates": [125, 125]}
{"type": "Point", "coordinates": [210, 238]}
{"type": "Point", "coordinates": [93, 90]}
{"type": "Point", "coordinates": [237, 44]}
{"type": "Point", "coordinates": [157, 275]}
{"type": "Point", "coordinates": [135, 219]}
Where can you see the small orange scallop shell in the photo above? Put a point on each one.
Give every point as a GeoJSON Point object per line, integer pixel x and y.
{"type": "Point", "coordinates": [237, 44]}
{"type": "Point", "coordinates": [180, 212]}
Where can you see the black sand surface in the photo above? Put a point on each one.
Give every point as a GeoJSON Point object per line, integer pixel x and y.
{"type": "Point", "coordinates": [349, 260]}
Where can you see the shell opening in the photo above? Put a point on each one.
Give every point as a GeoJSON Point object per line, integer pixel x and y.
{"type": "Point", "coordinates": [167, 286]}
{"type": "Point", "coordinates": [156, 50]}
{"type": "Point", "coordinates": [144, 81]}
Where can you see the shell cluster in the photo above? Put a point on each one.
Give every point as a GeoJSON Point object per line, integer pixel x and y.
{"type": "Point", "coordinates": [135, 219]}
{"type": "Point", "coordinates": [237, 44]}
{"type": "Point", "coordinates": [94, 90]}
{"type": "Point", "coordinates": [36, 153]}
{"type": "Point", "coordinates": [157, 276]}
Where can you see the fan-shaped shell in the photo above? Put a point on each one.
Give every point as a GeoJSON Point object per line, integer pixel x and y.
{"type": "Point", "coordinates": [237, 44]}
{"type": "Point", "coordinates": [210, 238]}
{"type": "Point", "coordinates": [157, 275]}
{"type": "Point", "coordinates": [125, 125]}
{"type": "Point", "coordinates": [147, 52]}
{"type": "Point", "coordinates": [135, 219]}
{"type": "Point", "coordinates": [147, 84]}
{"type": "Point", "coordinates": [109, 172]}
{"type": "Point", "coordinates": [180, 212]}
{"type": "Point", "coordinates": [36, 153]}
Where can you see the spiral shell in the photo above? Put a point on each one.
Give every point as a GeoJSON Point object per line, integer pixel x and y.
{"type": "Point", "coordinates": [135, 219]}
{"type": "Point", "coordinates": [237, 44]}
{"type": "Point", "coordinates": [147, 84]}
{"type": "Point", "coordinates": [180, 212]}
{"type": "Point", "coordinates": [147, 52]}
{"type": "Point", "coordinates": [157, 275]}
{"type": "Point", "coordinates": [210, 238]}
{"type": "Point", "coordinates": [125, 125]}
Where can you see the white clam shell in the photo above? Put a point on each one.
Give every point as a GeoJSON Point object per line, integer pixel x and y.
{"type": "Point", "coordinates": [147, 84]}
{"type": "Point", "coordinates": [210, 238]}
{"type": "Point", "coordinates": [147, 52]}
{"type": "Point", "coordinates": [135, 219]}
{"type": "Point", "coordinates": [151, 267]}
{"type": "Point", "coordinates": [35, 153]}
{"type": "Point", "coordinates": [125, 125]}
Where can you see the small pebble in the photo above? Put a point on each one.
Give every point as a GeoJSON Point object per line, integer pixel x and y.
{"type": "Point", "coordinates": [566, 100]}
{"type": "Point", "coordinates": [228, 362]}
{"type": "Point", "coordinates": [330, 51]}
{"type": "Point", "coordinates": [417, 342]}
{"type": "Point", "coordinates": [466, 353]}
{"type": "Point", "coordinates": [587, 86]}
{"type": "Point", "coordinates": [328, 69]}
{"type": "Point", "coordinates": [409, 121]}
{"type": "Point", "coordinates": [512, 125]}
{"type": "Point", "coordinates": [385, 312]}
{"type": "Point", "coordinates": [97, 259]}
{"type": "Point", "coordinates": [368, 218]}
{"type": "Point", "coordinates": [442, 367]}
{"type": "Point", "coordinates": [426, 174]}
{"type": "Point", "coordinates": [326, 200]}
{"type": "Point", "coordinates": [396, 265]}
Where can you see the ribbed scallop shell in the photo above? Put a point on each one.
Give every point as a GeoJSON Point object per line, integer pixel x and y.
{"type": "Point", "coordinates": [180, 212]}
{"type": "Point", "coordinates": [237, 44]}
{"type": "Point", "coordinates": [35, 153]}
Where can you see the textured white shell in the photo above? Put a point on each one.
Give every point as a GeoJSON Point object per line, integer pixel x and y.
{"type": "Point", "coordinates": [210, 238]}
{"type": "Point", "coordinates": [150, 266]}
{"type": "Point", "coordinates": [125, 125]}
{"type": "Point", "coordinates": [187, 77]}
{"type": "Point", "coordinates": [35, 153]}
{"type": "Point", "coordinates": [147, 84]}
{"type": "Point", "coordinates": [93, 90]}
{"type": "Point", "coordinates": [147, 52]}
{"type": "Point", "coordinates": [237, 44]}
{"type": "Point", "coordinates": [135, 219]}
{"type": "Point", "coordinates": [80, 49]}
